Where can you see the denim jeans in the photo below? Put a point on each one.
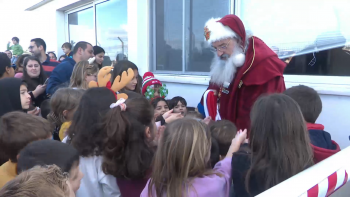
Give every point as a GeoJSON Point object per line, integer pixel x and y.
{"type": "Point", "coordinates": [14, 59]}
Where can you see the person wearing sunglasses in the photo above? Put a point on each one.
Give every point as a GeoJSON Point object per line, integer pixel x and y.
{"type": "Point", "coordinates": [243, 69]}
{"type": "Point", "coordinates": [38, 49]}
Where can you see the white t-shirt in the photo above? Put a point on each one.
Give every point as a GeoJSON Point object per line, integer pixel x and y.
{"type": "Point", "coordinates": [95, 182]}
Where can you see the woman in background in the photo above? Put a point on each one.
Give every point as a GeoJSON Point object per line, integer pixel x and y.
{"type": "Point", "coordinates": [35, 77]}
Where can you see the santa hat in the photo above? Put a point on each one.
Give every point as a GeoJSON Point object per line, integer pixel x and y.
{"type": "Point", "coordinates": [210, 105]}
{"type": "Point", "coordinates": [227, 27]}
{"type": "Point", "coordinates": [148, 80]}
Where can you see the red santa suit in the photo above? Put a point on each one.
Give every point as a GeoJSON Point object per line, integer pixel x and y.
{"type": "Point", "coordinates": [260, 74]}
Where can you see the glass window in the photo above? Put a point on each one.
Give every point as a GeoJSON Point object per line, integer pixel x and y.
{"type": "Point", "coordinates": [198, 12]}
{"type": "Point", "coordinates": [179, 41]}
{"type": "Point", "coordinates": [81, 26]}
{"type": "Point", "coordinates": [312, 38]}
{"type": "Point", "coordinates": [168, 23]}
{"type": "Point", "coordinates": [112, 28]}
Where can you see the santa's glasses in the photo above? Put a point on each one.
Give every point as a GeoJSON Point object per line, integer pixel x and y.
{"type": "Point", "coordinates": [221, 48]}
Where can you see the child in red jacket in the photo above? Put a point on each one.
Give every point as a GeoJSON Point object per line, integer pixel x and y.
{"type": "Point", "coordinates": [311, 106]}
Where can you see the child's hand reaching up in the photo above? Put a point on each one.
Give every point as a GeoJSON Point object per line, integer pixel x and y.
{"type": "Point", "coordinates": [167, 114]}
{"type": "Point", "coordinates": [237, 141]}
{"type": "Point", "coordinates": [173, 117]}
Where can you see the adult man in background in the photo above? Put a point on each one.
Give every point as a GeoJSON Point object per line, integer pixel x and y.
{"type": "Point", "coordinates": [38, 49]}
{"type": "Point", "coordinates": [243, 69]}
{"type": "Point", "coordinates": [17, 49]}
{"type": "Point", "coordinates": [60, 76]}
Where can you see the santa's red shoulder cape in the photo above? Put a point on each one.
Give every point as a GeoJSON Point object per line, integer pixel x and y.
{"type": "Point", "coordinates": [261, 73]}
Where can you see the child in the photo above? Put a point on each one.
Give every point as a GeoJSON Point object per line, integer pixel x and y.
{"type": "Point", "coordinates": [18, 129]}
{"type": "Point", "coordinates": [223, 131]}
{"type": "Point", "coordinates": [13, 95]}
{"type": "Point", "coordinates": [84, 134]}
{"type": "Point", "coordinates": [67, 49]}
{"type": "Point", "coordinates": [182, 159]}
{"type": "Point", "coordinates": [63, 105]}
{"type": "Point", "coordinates": [17, 49]}
{"type": "Point", "coordinates": [129, 151]}
{"type": "Point", "coordinates": [179, 105]}
{"type": "Point", "coordinates": [311, 106]}
{"type": "Point", "coordinates": [279, 146]}
{"type": "Point", "coordinates": [162, 114]}
{"type": "Point", "coordinates": [152, 87]}
{"type": "Point", "coordinates": [39, 182]}
{"type": "Point", "coordinates": [51, 152]}
{"type": "Point", "coordinates": [82, 74]}
{"type": "Point", "coordinates": [160, 106]}
{"type": "Point", "coordinates": [194, 115]}
{"type": "Point", "coordinates": [122, 66]}
{"type": "Point", "coordinates": [62, 57]}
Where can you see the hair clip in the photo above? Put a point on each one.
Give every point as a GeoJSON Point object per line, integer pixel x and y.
{"type": "Point", "coordinates": [121, 103]}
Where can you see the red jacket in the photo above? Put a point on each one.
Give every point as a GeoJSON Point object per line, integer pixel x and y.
{"type": "Point", "coordinates": [262, 73]}
{"type": "Point", "coordinates": [321, 142]}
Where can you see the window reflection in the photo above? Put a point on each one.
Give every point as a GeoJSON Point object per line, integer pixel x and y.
{"type": "Point", "coordinates": [168, 23]}
{"type": "Point", "coordinates": [169, 33]}
{"type": "Point", "coordinates": [81, 26]}
{"type": "Point", "coordinates": [112, 28]}
{"type": "Point", "coordinates": [198, 54]}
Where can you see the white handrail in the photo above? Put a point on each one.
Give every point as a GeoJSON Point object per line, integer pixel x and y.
{"type": "Point", "coordinates": [305, 180]}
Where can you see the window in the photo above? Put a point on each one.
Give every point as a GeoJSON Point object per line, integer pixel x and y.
{"type": "Point", "coordinates": [313, 36]}
{"type": "Point", "coordinates": [103, 23]}
{"type": "Point", "coordinates": [179, 45]}
{"type": "Point", "coordinates": [112, 28]}
{"type": "Point", "coordinates": [81, 26]}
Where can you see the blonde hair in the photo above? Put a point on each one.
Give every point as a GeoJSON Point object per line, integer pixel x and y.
{"type": "Point", "coordinates": [80, 71]}
{"type": "Point", "coordinates": [183, 154]}
{"type": "Point", "coordinates": [38, 182]}
{"type": "Point", "coordinates": [63, 99]}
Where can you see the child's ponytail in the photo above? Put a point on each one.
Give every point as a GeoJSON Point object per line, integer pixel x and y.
{"type": "Point", "coordinates": [116, 126]}
{"type": "Point", "coordinates": [126, 154]}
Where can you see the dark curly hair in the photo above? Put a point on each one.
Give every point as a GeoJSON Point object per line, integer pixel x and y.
{"type": "Point", "coordinates": [155, 101]}
{"type": "Point", "coordinates": [127, 153]}
{"type": "Point", "coordinates": [84, 133]}
{"type": "Point", "coordinates": [173, 102]}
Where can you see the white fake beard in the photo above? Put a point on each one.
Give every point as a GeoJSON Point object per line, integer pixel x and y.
{"type": "Point", "coordinates": [224, 70]}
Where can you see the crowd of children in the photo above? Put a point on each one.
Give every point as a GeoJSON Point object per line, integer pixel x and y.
{"type": "Point", "coordinates": [111, 132]}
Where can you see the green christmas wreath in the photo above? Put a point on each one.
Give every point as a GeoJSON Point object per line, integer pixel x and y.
{"type": "Point", "coordinates": [163, 91]}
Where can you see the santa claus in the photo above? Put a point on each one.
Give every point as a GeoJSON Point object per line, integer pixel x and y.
{"type": "Point", "coordinates": [243, 69]}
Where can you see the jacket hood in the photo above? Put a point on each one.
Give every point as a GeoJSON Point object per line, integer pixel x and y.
{"type": "Point", "coordinates": [256, 70]}
{"type": "Point", "coordinates": [10, 99]}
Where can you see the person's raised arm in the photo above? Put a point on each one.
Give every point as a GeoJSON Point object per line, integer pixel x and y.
{"type": "Point", "coordinates": [8, 46]}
